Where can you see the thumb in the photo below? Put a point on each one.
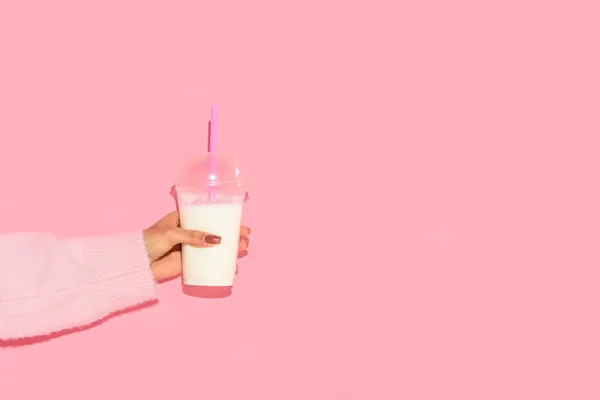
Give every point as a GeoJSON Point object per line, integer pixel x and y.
{"type": "Point", "coordinates": [193, 238]}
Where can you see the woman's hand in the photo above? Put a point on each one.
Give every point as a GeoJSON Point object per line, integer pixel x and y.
{"type": "Point", "coordinates": [163, 244]}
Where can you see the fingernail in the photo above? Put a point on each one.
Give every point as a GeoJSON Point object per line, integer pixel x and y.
{"type": "Point", "coordinates": [249, 231]}
{"type": "Point", "coordinates": [212, 239]}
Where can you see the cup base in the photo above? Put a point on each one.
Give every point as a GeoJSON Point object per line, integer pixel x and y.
{"type": "Point", "coordinates": [208, 292]}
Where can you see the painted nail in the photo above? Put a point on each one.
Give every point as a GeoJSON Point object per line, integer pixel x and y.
{"type": "Point", "coordinates": [212, 239]}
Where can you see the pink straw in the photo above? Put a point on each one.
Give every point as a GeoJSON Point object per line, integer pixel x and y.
{"type": "Point", "coordinates": [212, 148]}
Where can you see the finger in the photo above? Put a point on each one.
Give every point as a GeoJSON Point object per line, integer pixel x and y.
{"type": "Point", "coordinates": [169, 220]}
{"type": "Point", "coordinates": [245, 231]}
{"type": "Point", "coordinates": [167, 267]}
{"type": "Point", "coordinates": [244, 243]}
{"type": "Point", "coordinates": [194, 238]}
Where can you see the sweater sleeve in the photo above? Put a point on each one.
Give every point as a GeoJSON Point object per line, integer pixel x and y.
{"type": "Point", "coordinates": [49, 284]}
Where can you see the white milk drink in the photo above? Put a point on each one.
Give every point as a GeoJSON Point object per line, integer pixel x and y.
{"type": "Point", "coordinates": [210, 198]}
{"type": "Point", "coordinates": [211, 266]}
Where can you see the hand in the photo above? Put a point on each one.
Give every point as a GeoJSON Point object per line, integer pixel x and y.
{"type": "Point", "coordinates": [163, 244]}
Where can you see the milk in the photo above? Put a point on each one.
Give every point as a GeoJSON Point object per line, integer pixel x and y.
{"type": "Point", "coordinates": [215, 265]}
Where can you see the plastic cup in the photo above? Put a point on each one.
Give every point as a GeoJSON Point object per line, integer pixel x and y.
{"type": "Point", "coordinates": [211, 198]}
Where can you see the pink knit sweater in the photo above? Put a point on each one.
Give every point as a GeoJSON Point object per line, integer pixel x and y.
{"type": "Point", "coordinates": [50, 284]}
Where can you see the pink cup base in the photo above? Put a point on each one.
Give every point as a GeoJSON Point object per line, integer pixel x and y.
{"type": "Point", "coordinates": [208, 292]}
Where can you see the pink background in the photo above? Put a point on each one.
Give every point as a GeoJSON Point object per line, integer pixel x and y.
{"type": "Point", "coordinates": [424, 183]}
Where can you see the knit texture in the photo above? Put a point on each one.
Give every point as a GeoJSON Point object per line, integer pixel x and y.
{"type": "Point", "coordinates": [50, 284]}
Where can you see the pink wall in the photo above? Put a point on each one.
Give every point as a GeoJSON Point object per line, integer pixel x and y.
{"type": "Point", "coordinates": [424, 185]}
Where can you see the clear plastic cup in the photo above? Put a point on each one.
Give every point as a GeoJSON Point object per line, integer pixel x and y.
{"type": "Point", "coordinates": [211, 197]}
